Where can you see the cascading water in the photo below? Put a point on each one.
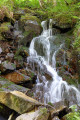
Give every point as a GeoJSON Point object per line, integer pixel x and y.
{"type": "Point", "coordinates": [43, 57]}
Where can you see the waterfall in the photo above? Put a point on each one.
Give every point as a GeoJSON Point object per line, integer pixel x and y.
{"type": "Point", "coordinates": [43, 58]}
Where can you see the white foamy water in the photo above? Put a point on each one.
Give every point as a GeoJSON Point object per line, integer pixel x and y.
{"type": "Point", "coordinates": [42, 58]}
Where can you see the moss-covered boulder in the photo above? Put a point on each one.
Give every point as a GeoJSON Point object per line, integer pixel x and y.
{"type": "Point", "coordinates": [63, 21]}
{"type": "Point", "coordinates": [30, 25]}
{"type": "Point", "coordinates": [18, 101]}
{"type": "Point", "coordinates": [5, 31]}
{"type": "Point", "coordinates": [41, 114]}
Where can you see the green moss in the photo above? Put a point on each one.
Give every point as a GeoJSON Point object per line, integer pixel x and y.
{"type": "Point", "coordinates": [29, 17]}
{"type": "Point", "coordinates": [72, 116]}
{"type": "Point", "coordinates": [43, 111]}
{"type": "Point", "coordinates": [73, 108]}
{"type": "Point", "coordinates": [50, 103]}
{"type": "Point", "coordinates": [1, 37]}
{"type": "Point", "coordinates": [76, 43]}
{"type": "Point", "coordinates": [5, 27]}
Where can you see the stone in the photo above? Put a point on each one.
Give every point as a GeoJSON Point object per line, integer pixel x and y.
{"type": "Point", "coordinates": [30, 25]}
{"type": "Point", "coordinates": [41, 114]}
{"type": "Point", "coordinates": [5, 30]}
{"type": "Point", "coordinates": [9, 65]}
{"type": "Point", "coordinates": [0, 50]}
{"type": "Point", "coordinates": [56, 118]}
{"type": "Point", "coordinates": [18, 101]}
{"type": "Point", "coordinates": [6, 85]}
{"type": "Point", "coordinates": [22, 76]}
{"type": "Point", "coordinates": [59, 109]}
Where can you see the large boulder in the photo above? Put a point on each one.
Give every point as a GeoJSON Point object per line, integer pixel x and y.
{"type": "Point", "coordinates": [6, 31]}
{"type": "Point", "coordinates": [41, 114]}
{"type": "Point", "coordinates": [18, 101]}
{"type": "Point", "coordinates": [30, 25]}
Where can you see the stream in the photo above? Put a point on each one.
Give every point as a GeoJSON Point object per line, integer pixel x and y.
{"type": "Point", "coordinates": [42, 58]}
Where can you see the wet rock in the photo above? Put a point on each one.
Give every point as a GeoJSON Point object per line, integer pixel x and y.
{"type": "Point", "coordinates": [18, 101]}
{"type": "Point", "coordinates": [41, 114]}
{"type": "Point", "coordinates": [30, 25]}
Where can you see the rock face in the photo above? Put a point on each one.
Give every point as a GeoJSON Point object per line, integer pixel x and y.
{"type": "Point", "coordinates": [30, 25]}
{"type": "Point", "coordinates": [18, 101]}
{"type": "Point", "coordinates": [41, 114]}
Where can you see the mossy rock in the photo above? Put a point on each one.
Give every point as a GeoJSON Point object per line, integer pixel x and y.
{"type": "Point", "coordinates": [5, 27]}
{"type": "Point", "coordinates": [6, 85]}
{"type": "Point", "coordinates": [18, 101]}
{"type": "Point", "coordinates": [30, 25]}
{"type": "Point", "coordinates": [5, 31]}
{"type": "Point", "coordinates": [1, 37]}
{"type": "Point", "coordinates": [41, 114]}
{"type": "Point", "coordinates": [29, 17]}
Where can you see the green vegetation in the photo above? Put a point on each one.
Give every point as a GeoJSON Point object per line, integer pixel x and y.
{"type": "Point", "coordinates": [77, 37]}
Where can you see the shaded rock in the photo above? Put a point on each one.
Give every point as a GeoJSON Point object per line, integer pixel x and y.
{"type": "Point", "coordinates": [5, 30]}
{"type": "Point", "coordinates": [59, 109]}
{"type": "Point", "coordinates": [62, 25]}
{"type": "Point", "coordinates": [18, 101]}
{"type": "Point", "coordinates": [5, 112]}
{"type": "Point", "coordinates": [41, 114]}
{"type": "Point", "coordinates": [0, 50]}
{"type": "Point", "coordinates": [18, 13]}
